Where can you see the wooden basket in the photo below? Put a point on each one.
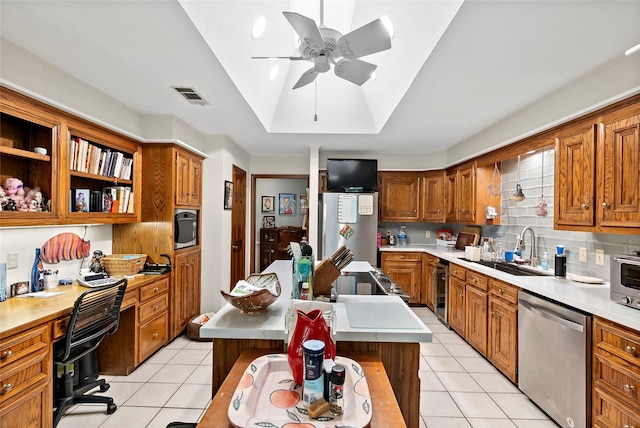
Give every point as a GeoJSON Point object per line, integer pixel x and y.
{"type": "Point", "coordinates": [123, 264]}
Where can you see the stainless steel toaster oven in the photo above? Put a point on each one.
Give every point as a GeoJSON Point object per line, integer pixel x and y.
{"type": "Point", "coordinates": [625, 279]}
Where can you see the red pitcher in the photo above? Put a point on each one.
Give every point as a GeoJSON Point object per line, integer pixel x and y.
{"type": "Point", "coordinates": [309, 326]}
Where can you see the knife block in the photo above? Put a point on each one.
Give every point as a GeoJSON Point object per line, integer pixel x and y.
{"type": "Point", "coordinates": [325, 274]}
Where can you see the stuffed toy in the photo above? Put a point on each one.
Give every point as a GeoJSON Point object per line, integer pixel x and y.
{"type": "Point", "coordinates": [13, 199]}
{"type": "Point", "coordinates": [33, 200]}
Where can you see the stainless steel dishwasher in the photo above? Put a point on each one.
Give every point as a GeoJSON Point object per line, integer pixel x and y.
{"type": "Point", "coordinates": [554, 362]}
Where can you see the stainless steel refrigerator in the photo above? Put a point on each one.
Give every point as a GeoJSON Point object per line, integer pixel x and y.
{"type": "Point", "coordinates": [349, 219]}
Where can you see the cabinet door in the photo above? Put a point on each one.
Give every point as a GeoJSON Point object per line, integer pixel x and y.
{"type": "Point", "coordinates": [427, 293]}
{"type": "Point", "coordinates": [195, 177]}
{"type": "Point", "coordinates": [186, 290]}
{"type": "Point", "coordinates": [467, 195]}
{"type": "Point", "coordinates": [451, 196]}
{"type": "Point", "coordinates": [400, 196]}
{"type": "Point", "coordinates": [503, 337]}
{"type": "Point", "coordinates": [407, 274]}
{"type": "Point", "coordinates": [476, 318]}
{"type": "Point", "coordinates": [620, 197]}
{"type": "Point", "coordinates": [456, 305]}
{"type": "Point", "coordinates": [433, 197]}
{"type": "Point", "coordinates": [575, 177]}
{"type": "Point", "coordinates": [183, 186]}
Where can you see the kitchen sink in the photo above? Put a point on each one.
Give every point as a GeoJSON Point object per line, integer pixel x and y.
{"type": "Point", "coordinates": [513, 268]}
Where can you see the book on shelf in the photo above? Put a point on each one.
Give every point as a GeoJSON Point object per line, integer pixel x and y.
{"type": "Point", "coordinates": [118, 198]}
{"type": "Point", "coordinates": [85, 156]}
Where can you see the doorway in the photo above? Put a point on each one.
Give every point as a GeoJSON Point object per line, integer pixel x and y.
{"type": "Point", "coordinates": [238, 225]}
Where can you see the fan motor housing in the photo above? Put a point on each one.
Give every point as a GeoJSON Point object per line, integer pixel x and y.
{"type": "Point", "coordinates": [330, 37]}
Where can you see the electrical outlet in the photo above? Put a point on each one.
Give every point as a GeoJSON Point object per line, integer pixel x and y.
{"type": "Point", "coordinates": [583, 254]}
{"type": "Point", "coordinates": [12, 260]}
{"type": "Point", "coordinates": [600, 257]}
{"type": "Point", "coordinates": [427, 234]}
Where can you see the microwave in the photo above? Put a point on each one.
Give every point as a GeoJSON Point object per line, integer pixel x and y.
{"type": "Point", "coordinates": [625, 279]}
{"type": "Point", "coordinates": [185, 228]}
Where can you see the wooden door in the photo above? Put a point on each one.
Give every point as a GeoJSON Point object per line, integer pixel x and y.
{"type": "Point", "coordinates": [427, 294]}
{"type": "Point", "coordinates": [179, 293]}
{"type": "Point", "coordinates": [620, 172]}
{"type": "Point", "coordinates": [238, 226]}
{"type": "Point", "coordinates": [433, 197]}
{"type": "Point", "coordinates": [476, 318]}
{"type": "Point", "coordinates": [400, 196]}
{"type": "Point", "coordinates": [456, 305]}
{"type": "Point", "coordinates": [183, 184]}
{"type": "Point", "coordinates": [196, 182]}
{"type": "Point", "coordinates": [575, 177]}
{"type": "Point", "coordinates": [467, 195]}
{"type": "Point", "coordinates": [451, 196]}
{"type": "Point", "coordinates": [503, 337]}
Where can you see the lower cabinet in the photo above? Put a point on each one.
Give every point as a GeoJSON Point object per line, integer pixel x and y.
{"type": "Point", "coordinates": [185, 293]}
{"type": "Point", "coordinates": [428, 293]}
{"type": "Point", "coordinates": [616, 375]}
{"type": "Point", "coordinates": [502, 349]}
{"type": "Point", "coordinates": [26, 398]}
{"type": "Point", "coordinates": [153, 318]}
{"type": "Point", "coordinates": [456, 305]}
{"type": "Point", "coordinates": [405, 269]}
{"type": "Point", "coordinates": [476, 311]}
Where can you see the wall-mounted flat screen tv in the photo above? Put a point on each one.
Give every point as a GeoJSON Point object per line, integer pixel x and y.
{"type": "Point", "coordinates": [352, 175]}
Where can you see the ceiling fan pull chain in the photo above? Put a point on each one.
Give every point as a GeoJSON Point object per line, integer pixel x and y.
{"type": "Point", "coordinates": [315, 107]}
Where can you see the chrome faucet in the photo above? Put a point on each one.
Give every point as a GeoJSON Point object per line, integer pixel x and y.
{"type": "Point", "coordinates": [533, 256]}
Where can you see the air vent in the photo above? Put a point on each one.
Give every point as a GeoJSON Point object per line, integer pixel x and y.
{"type": "Point", "coordinates": [191, 95]}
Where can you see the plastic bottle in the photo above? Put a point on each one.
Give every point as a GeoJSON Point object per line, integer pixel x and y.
{"type": "Point", "coordinates": [544, 263]}
{"type": "Point", "coordinates": [304, 293]}
{"type": "Point", "coordinates": [37, 281]}
{"type": "Point", "coordinates": [402, 236]}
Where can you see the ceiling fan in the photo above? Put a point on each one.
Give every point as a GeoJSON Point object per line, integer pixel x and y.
{"type": "Point", "coordinates": [324, 46]}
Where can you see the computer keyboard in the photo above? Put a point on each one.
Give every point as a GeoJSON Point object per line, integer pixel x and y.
{"type": "Point", "coordinates": [97, 282]}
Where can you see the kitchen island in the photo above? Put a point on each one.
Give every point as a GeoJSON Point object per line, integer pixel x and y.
{"type": "Point", "coordinates": [384, 325]}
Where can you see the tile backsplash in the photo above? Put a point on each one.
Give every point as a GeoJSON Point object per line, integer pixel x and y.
{"type": "Point", "coordinates": [535, 175]}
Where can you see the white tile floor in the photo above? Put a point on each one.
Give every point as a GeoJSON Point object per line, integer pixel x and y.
{"type": "Point", "coordinates": [459, 388]}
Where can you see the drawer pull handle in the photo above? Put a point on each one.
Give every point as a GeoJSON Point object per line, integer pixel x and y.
{"type": "Point", "coordinates": [7, 387]}
{"type": "Point", "coordinates": [154, 335]}
{"type": "Point", "coordinates": [631, 349]}
{"type": "Point", "coordinates": [501, 291]}
{"type": "Point", "coordinates": [629, 388]}
{"type": "Point", "coordinates": [629, 426]}
{"type": "Point", "coordinates": [155, 289]}
{"type": "Point", "coordinates": [155, 307]}
{"type": "Point", "coordinates": [585, 206]}
{"type": "Point", "coordinates": [7, 354]}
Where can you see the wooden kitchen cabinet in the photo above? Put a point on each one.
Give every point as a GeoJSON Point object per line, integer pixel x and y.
{"type": "Point", "coordinates": [502, 345]}
{"type": "Point", "coordinates": [616, 375]}
{"type": "Point", "coordinates": [433, 197]}
{"type": "Point", "coordinates": [456, 310]}
{"type": "Point", "coordinates": [428, 293]}
{"type": "Point", "coordinates": [400, 196]}
{"type": "Point", "coordinates": [188, 179]}
{"type": "Point", "coordinates": [268, 246]}
{"type": "Point", "coordinates": [186, 289]}
{"type": "Point", "coordinates": [476, 301]}
{"type": "Point", "coordinates": [25, 379]}
{"type": "Point", "coordinates": [405, 269]}
{"type": "Point", "coordinates": [466, 190]}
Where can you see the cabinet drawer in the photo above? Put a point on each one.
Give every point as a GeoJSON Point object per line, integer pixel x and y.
{"type": "Point", "coordinates": [503, 290]}
{"type": "Point", "coordinates": [607, 411]}
{"type": "Point", "coordinates": [458, 271]}
{"type": "Point", "coordinates": [477, 280]}
{"type": "Point", "coordinates": [618, 340]}
{"type": "Point", "coordinates": [393, 255]}
{"type": "Point", "coordinates": [24, 345]}
{"type": "Point", "coordinates": [153, 307]}
{"type": "Point", "coordinates": [19, 378]}
{"type": "Point", "coordinates": [622, 378]}
{"type": "Point", "coordinates": [152, 335]}
{"type": "Point", "coordinates": [130, 299]}
{"type": "Point", "coordinates": [149, 291]}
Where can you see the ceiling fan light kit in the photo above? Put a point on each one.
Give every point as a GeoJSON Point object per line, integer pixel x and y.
{"type": "Point", "coordinates": [324, 46]}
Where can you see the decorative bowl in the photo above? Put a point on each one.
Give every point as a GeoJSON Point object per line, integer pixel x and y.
{"type": "Point", "coordinates": [256, 302]}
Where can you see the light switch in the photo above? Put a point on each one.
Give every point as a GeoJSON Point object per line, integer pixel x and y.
{"type": "Point", "coordinates": [583, 254]}
{"type": "Point", "coordinates": [600, 257]}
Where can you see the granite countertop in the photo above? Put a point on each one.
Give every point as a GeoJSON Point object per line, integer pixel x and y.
{"type": "Point", "coordinates": [590, 298]}
{"type": "Point", "coordinates": [357, 317]}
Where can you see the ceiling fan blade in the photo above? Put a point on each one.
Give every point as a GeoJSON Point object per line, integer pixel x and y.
{"type": "Point", "coordinates": [368, 39]}
{"type": "Point", "coordinates": [354, 70]}
{"type": "Point", "coordinates": [306, 29]}
{"type": "Point", "coordinates": [292, 58]}
{"type": "Point", "coordinates": [306, 78]}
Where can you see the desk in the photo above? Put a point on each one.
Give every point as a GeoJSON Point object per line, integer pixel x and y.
{"type": "Point", "coordinates": [30, 326]}
{"type": "Point", "coordinates": [386, 412]}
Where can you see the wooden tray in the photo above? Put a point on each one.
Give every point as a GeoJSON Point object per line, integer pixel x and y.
{"type": "Point", "coordinates": [268, 396]}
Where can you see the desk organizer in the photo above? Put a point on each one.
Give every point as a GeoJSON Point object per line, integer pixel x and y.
{"type": "Point", "coordinates": [268, 396]}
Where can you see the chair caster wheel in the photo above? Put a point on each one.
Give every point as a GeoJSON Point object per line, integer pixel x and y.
{"type": "Point", "coordinates": [105, 387]}
{"type": "Point", "coordinates": [111, 408]}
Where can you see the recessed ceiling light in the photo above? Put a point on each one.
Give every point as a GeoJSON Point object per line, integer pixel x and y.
{"type": "Point", "coordinates": [374, 76]}
{"type": "Point", "coordinates": [258, 27]}
{"type": "Point", "coordinates": [632, 50]}
{"type": "Point", "coordinates": [387, 23]}
{"type": "Point", "coordinates": [274, 73]}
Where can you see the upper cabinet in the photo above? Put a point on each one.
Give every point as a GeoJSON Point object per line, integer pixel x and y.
{"type": "Point", "coordinates": [77, 172]}
{"type": "Point", "coordinates": [597, 173]}
{"type": "Point", "coordinates": [399, 196]}
{"type": "Point", "coordinates": [433, 196]}
{"type": "Point", "coordinates": [467, 194]}
{"type": "Point", "coordinates": [188, 179]}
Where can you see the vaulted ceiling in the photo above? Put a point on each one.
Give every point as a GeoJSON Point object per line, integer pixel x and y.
{"type": "Point", "coordinates": [454, 69]}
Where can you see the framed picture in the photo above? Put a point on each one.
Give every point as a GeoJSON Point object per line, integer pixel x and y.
{"type": "Point", "coordinates": [304, 205]}
{"type": "Point", "coordinates": [81, 200]}
{"type": "Point", "coordinates": [287, 204]}
{"type": "Point", "coordinates": [268, 204]}
{"type": "Point", "coordinates": [269, 222]}
{"type": "Point", "coordinates": [228, 195]}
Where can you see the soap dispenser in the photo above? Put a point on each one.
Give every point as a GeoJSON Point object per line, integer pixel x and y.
{"type": "Point", "coordinates": [544, 263]}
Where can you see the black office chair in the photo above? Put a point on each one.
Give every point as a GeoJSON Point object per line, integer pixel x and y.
{"type": "Point", "coordinates": [95, 314]}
